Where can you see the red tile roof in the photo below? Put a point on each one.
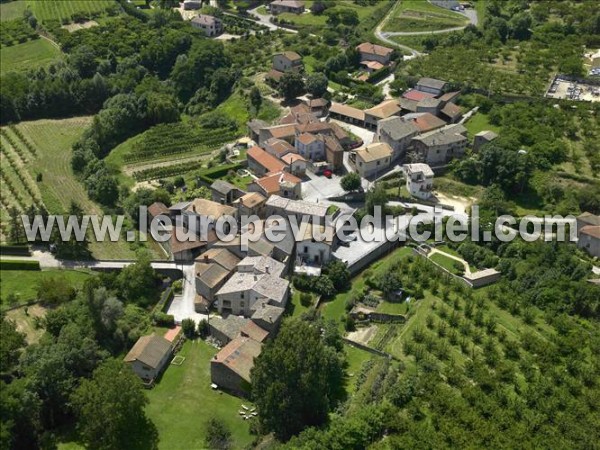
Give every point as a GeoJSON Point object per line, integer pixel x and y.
{"type": "Point", "coordinates": [264, 159]}
{"type": "Point", "coordinates": [367, 47]}
{"type": "Point", "coordinates": [270, 183]}
{"type": "Point", "coordinates": [413, 94]}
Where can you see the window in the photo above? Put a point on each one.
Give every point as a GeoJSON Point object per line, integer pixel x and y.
{"type": "Point", "coordinates": [241, 295]}
{"type": "Point", "coordinates": [241, 304]}
{"type": "Point", "coordinates": [378, 163]}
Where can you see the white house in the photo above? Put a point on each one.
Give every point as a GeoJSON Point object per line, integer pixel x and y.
{"type": "Point", "coordinates": [287, 62]}
{"type": "Point", "coordinates": [419, 180]}
{"type": "Point", "coordinates": [211, 26]}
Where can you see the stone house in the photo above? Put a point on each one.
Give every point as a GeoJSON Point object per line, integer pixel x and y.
{"type": "Point", "coordinates": [440, 146]}
{"type": "Point", "coordinates": [287, 62]}
{"type": "Point", "coordinates": [397, 133]}
{"type": "Point", "coordinates": [374, 52]}
{"type": "Point", "coordinates": [372, 160]}
{"type": "Point", "coordinates": [239, 294]}
{"type": "Point", "coordinates": [230, 368]}
{"type": "Point", "coordinates": [149, 356]}
{"type": "Point", "coordinates": [431, 85]}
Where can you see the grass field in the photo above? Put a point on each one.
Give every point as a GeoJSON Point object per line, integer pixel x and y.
{"type": "Point", "coordinates": [480, 122]}
{"type": "Point", "coordinates": [309, 20]}
{"type": "Point", "coordinates": [28, 55]}
{"type": "Point", "coordinates": [51, 141]}
{"type": "Point", "coordinates": [12, 10]}
{"type": "Point", "coordinates": [447, 263]}
{"type": "Point", "coordinates": [63, 10]}
{"type": "Point", "coordinates": [335, 308]}
{"type": "Point", "coordinates": [23, 283]}
{"type": "Point", "coordinates": [419, 15]}
{"type": "Point", "coordinates": [182, 402]}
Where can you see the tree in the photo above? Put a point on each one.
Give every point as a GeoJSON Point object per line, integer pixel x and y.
{"type": "Point", "coordinates": [110, 408]}
{"type": "Point", "coordinates": [218, 435]}
{"type": "Point", "coordinates": [11, 343]}
{"type": "Point", "coordinates": [350, 182]}
{"type": "Point", "coordinates": [137, 282]}
{"type": "Point", "coordinates": [189, 328]}
{"type": "Point", "coordinates": [17, 233]}
{"type": "Point", "coordinates": [294, 380]}
{"type": "Point", "coordinates": [316, 84]}
{"type": "Point", "coordinates": [376, 197]}
{"type": "Point", "coordinates": [291, 85]}
{"type": "Point", "coordinates": [255, 99]}
{"type": "Point", "coordinates": [338, 273]}
{"type": "Point", "coordinates": [55, 290]}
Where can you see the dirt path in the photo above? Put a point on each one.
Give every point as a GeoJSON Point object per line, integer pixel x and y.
{"type": "Point", "coordinates": [455, 258]}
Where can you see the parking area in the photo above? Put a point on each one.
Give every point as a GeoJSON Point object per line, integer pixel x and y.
{"type": "Point", "coordinates": [319, 187]}
{"type": "Point", "coordinates": [572, 90]}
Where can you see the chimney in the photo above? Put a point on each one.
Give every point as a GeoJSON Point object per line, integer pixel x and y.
{"type": "Point", "coordinates": [270, 319]}
{"type": "Point", "coordinates": [205, 257]}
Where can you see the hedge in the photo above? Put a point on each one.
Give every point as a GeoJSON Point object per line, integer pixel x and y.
{"type": "Point", "coordinates": [11, 264]}
{"type": "Point", "coordinates": [14, 250]}
{"type": "Point", "coordinates": [210, 175]}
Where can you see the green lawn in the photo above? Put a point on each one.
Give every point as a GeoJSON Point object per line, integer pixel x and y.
{"type": "Point", "coordinates": [480, 122]}
{"type": "Point", "coordinates": [447, 263]}
{"type": "Point", "coordinates": [236, 107]}
{"type": "Point", "coordinates": [182, 402]}
{"type": "Point", "coordinates": [311, 21]}
{"type": "Point", "coordinates": [335, 308]}
{"type": "Point", "coordinates": [28, 55]}
{"type": "Point", "coordinates": [419, 15]}
{"type": "Point", "coordinates": [295, 307]}
{"type": "Point", "coordinates": [23, 283]}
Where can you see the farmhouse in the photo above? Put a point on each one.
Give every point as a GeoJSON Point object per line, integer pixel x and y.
{"type": "Point", "coordinates": [211, 26]}
{"type": "Point", "coordinates": [425, 121]}
{"type": "Point", "coordinates": [315, 251]}
{"type": "Point", "coordinates": [261, 264]}
{"type": "Point", "coordinates": [295, 164]}
{"type": "Point", "coordinates": [149, 356]}
{"type": "Point", "coordinates": [287, 6]}
{"type": "Point", "coordinates": [397, 133]}
{"type": "Point", "coordinates": [243, 290]}
{"type": "Point", "coordinates": [278, 147]}
{"type": "Point", "coordinates": [224, 193]}
{"type": "Point", "coordinates": [262, 163]}
{"type": "Point", "coordinates": [419, 180]}
{"type": "Point", "coordinates": [589, 239]}
{"type": "Point", "coordinates": [268, 317]}
{"type": "Point", "coordinates": [431, 85]}
{"type": "Point", "coordinates": [373, 159]}
{"type": "Point", "coordinates": [376, 53]}
{"type": "Point", "coordinates": [250, 204]}
{"type": "Point", "coordinates": [385, 109]}
{"type": "Point", "coordinates": [482, 138]}
{"type": "Point", "coordinates": [287, 62]}
{"type": "Point", "coordinates": [230, 368]}
{"type": "Point", "coordinates": [226, 329]}
{"type": "Point", "coordinates": [347, 114]}
{"type": "Point", "coordinates": [278, 183]}
{"type": "Point", "coordinates": [440, 146]}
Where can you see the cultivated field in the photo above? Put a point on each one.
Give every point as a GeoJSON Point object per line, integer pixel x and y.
{"type": "Point", "coordinates": [419, 15]}
{"type": "Point", "coordinates": [62, 10]}
{"type": "Point", "coordinates": [28, 55]}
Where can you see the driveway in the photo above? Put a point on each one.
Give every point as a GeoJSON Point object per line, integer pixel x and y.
{"type": "Point", "coordinates": [470, 14]}
{"type": "Point", "coordinates": [265, 19]}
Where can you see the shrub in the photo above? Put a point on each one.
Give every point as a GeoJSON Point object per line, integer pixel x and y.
{"type": "Point", "coordinates": [189, 328]}
{"type": "Point", "coordinates": [8, 264]}
{"type": "Point", "coordinates": [163, 320]}
{"type": "Point", "coordinates": [305, 299]}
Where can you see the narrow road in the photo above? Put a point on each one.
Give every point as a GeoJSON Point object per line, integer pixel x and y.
{"type": "Point", "coordinates": [265, 20]}
{"type": "Point", "coordinates": [470, 14]}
